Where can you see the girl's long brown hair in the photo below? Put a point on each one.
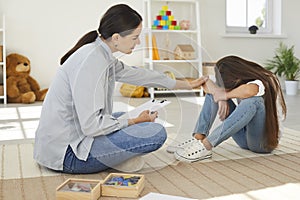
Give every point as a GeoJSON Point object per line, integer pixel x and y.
{"type": "Point", "coordinates": [233, 71]}
{"type": "Point", "coordinates": [119, 18]}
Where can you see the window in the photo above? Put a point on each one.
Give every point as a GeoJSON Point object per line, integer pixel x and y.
{"type": "Point", "coordinates": [242, 14]}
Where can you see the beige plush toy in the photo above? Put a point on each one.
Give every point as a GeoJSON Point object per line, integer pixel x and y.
{"type": "Point", "coordinates": [21, 87]}
{"type": "Point", "coordinates": [128, 90]}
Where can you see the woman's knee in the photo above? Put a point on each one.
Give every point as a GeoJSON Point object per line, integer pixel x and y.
{"type": "Point", "coordinates": [161, 134]}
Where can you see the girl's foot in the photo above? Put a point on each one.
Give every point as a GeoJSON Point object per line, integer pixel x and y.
{"type": "Point", "coordinates": [182, 145]}
{"type": "Point", "coordinates": [193, 152]}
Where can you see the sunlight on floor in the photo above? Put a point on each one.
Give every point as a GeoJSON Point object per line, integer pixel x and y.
{"type": "Point", "coordinates": [18, 123]}
{"type": "Point", "coordinates": [21, 122]}
{"type": "Point", "coordinates": [195, 100]}
{"type": "Point", "coordinates": [274, 193]}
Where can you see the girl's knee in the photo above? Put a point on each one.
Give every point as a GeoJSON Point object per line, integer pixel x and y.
{"type": "Point", "coordinates": [255, 99]}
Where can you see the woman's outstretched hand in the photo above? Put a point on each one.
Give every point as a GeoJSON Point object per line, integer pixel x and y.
{"type": "Point", "coordinates": [199, 82]}
{"type": "Point", "coordinates": [182, 84]}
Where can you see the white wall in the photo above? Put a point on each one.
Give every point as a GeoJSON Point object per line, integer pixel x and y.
{"type": "Point", "coordinates": [44, 30]}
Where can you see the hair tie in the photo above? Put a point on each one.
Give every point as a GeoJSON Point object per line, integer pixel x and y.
{"type": "Point", "coordinates": [99, 34]}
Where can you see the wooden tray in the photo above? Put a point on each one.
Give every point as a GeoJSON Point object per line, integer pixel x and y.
{"type": "Point", "coordinates": [79, 189]}
{"type": "Point", "coordinates": [129, 185]}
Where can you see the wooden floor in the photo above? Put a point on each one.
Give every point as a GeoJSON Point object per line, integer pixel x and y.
{"type": "Point", "coordinates": [232, 173]}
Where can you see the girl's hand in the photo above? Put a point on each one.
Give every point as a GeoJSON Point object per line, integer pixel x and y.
{"type": "Point", "coordinates": [223, 110]}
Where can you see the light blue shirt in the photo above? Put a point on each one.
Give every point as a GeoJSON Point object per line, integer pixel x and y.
{"type": "Point", "coordinates": [79, 102]}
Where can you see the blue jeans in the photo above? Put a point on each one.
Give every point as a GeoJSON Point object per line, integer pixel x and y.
{"type": "Point", "coordinates": [117, 147]}
{"type": "Point", "coordinates": [245, 123]}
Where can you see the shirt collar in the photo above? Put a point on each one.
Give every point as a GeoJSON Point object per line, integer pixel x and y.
{"type": "Point", "coordinates": [105, 47]}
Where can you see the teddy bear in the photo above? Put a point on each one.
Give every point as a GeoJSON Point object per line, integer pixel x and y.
{"type": "Point", "coordinates": [21, 87]}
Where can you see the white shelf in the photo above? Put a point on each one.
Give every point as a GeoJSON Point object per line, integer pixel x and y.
{"type": "Point", "coordinates": [147, 60]}
{"type": "Point", "coordinates": [255, 36]}
{"type": "Point", "coordinates": [167, 40]}
{"type": "Point", "coordinates": [3, 63]}
{"type": "Point", "coordinates": [174, 31]}
{"type": "Point", "coordinates": [178, 1]}
{"type": "Point", "coordinates": [176, 91]}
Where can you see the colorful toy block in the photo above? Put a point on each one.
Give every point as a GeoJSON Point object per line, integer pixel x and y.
{"type": "Point", "coordinates": [156, 22]}
{"type": "Point", "coordinates": [165, 20]}
{"type": "Point", "coordinates": [165, 8]}
{"type": "Point", "coordinates": [176, 27]}
{"type": "Point", "coordinates": [162, 22]}
{"type": "Point", "coordinates": [162, 13]}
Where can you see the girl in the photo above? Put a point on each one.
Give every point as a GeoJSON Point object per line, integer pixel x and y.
{"type": "Point", "coordinates": [253, 123]}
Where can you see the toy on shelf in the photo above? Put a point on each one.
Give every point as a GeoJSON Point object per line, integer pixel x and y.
{"type": "Point", "coordinates": [165, 20]}
{"type": "Point", "coordinates": [166, 48]}
{"type": "Point", "coordinates": [184, 24]}
{"type": "Point", "coordinates": [155, 54]}
{"type": "Point", "coordinates": [184, 52]}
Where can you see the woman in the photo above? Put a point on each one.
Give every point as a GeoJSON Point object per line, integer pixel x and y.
{"type": "Point", "coordinates": [77, 132]}
{"type": "Point", "coordinates": [253, 123]}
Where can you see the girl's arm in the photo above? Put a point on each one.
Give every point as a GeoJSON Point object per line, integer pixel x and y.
{"type": "Point", "coordinates": [242, 92]}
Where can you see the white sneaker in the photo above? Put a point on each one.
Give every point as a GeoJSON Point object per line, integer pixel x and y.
{"type": "Point", "coordinates": [131, 165]}
{"type": "Point", "coordinates": [194, 152]}
{"type": "Point", "coordinates": [172, 148]}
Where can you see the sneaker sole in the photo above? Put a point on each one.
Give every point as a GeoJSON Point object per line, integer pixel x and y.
{"type": "Point", "coordinates": [180, 158]}
{"type": "Point", "coordinates": [172, 149]}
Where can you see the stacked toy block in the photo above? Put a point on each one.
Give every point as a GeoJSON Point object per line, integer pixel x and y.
{"type": "Point", "coordinates": [165, 20]}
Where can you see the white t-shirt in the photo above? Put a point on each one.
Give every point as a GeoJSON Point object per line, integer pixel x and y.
{"type": "Point", "coordinates": [261, 87]}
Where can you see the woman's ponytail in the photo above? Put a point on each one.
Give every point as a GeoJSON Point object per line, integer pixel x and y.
{"type": "Point", "coordinates": [86, 39]}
